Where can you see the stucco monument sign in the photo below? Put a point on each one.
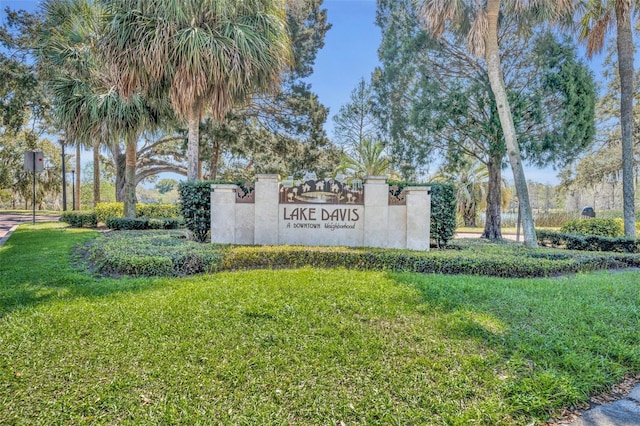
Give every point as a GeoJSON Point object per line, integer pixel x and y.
{"type": "Point", "coordinates": [321, 212]}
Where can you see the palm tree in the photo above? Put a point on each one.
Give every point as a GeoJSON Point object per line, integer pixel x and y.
{"type": "Point", "coordinates": [210, 54]}
{"type": "Point", "coordinates": [480, 21]}
{"type": "Point", "coordinates": [471, 188]}
{"type": "Point", "coordinates": [597, 17]}
{"type": "Point", "coordinates": [367, 159]}
{"type": "Point", "coordinates": [86, 103]}
{"type": "Point", "coordinates": [68, 55]}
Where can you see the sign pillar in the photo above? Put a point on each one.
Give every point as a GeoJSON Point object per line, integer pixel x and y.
{"type": "Point", "coordinates": [418, 217]}
{"type": "Point", "coordinates": [223, 213]}
{"type": "Point", "coordinates": [266, 209]}
{"type": "Point", "coordinates": [376, 211]}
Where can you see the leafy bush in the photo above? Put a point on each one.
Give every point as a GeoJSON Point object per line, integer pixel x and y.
{"type": "Point", "coordinates": [601, 227]}
{"type": "Point", "coordinates": [123, 223]}
{"type": "Point", "coordinates": [158, 211]}
{"type": "Point", "coordinates": [165, 223]}
{"type": "Point", "coordinates": [587, 242]}
{"type": "Point", "coordinates": [79, 219]}
{"type": "Point", "coordinates": [152, 210]}
{"type": "Point", "coordinates": [152, 253]}
{"type": "Point", "coordinates": [195, 206]}
{"type": "Point", "coordinates": [443, 210]}
{"type": "Point", "coordinates": [106, 210]}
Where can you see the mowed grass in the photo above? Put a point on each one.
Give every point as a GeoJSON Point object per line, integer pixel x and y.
{"type": "Point", "coordinates": [305, 346]}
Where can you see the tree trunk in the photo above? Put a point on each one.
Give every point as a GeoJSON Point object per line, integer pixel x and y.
{"type": "Point", "coordinates": [469, 216]}
{"type": "Point", "coordinates": [78, 173]}
{"type": "Point", "coordinates": [120, 176]}
{"type": "Point", "coordinates": [193, 143]}
{"type": "Point", "coordinates": [215, 159]}
{"type": "Point", "coordinates": [96, 173]}
{"type": "Point", "coordinates": [625, 69]}
{"type": "Point", "coordinates": [492, 57]}
{"type": "Point", "coordinates": [493, 222]}
{"type": "Point", "coordinates": [130, 178]}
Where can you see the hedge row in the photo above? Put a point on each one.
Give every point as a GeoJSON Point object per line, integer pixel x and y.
{"type": "Point", "coordinates": [153, 210]}
{"type": "Point", "coordinates": [587, 242]}
{"type": "Point", "coordinates": [611, 228]}
{"type": "Point", "coordinates": [142, 223]}
{"type": "Point", "coordinates": [79, 219]}
{"type": "Point", "coordinates": [148, 253]}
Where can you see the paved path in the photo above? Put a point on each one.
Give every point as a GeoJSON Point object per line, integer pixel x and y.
{"type": "Point", "coordinates": [623, 412]}
{"type": "Point", "coordinates": [10, 221]}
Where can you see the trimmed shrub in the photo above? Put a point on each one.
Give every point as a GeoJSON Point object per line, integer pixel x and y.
{"type": "Point", "coordinates": [158, 211]}
{"type": "Point", "coordinates": [195, 206]}
{"type": "Point", "coordinates": [150, 253]}
{"type": "Point", "coordinates": [79, 219]}
{"type": "Point", "coordinates": [600, 227]}
{"type": "Point", "coordinates": [443, 212]}
{"type": "Point", "coordinates": [587, 242]}
{"type": "Point", "coordinates": [169, 253]}
{"type": "Point", "coordinates": [165, 223]}
{"type": "Point", "coordinates": [106, 210]}
{"type": "Point", "coordinates": [123, 223]}
{"type": "Point", "coordinates": [152, 210]}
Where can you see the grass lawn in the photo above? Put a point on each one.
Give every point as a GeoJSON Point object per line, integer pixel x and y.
{"type": "Point", "coordinates": [306, 346]}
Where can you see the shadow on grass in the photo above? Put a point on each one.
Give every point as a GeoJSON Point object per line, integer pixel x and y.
{"type": "Point", "coordinates": [36, 268]}
{"type": "Point", "coordinates": [562, 340]}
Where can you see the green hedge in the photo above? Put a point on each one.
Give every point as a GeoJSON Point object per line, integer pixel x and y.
{"type": "Point", "coordinates": [195, 206]}
{"type": "Point", "coordinates": [142, 223]}
{"type": "Point", "coordinates": [611, 228]}
{"type": "Point", "coordinates": [443, 209]}
{"type": "Point", "coordinates": [151, 253]}
{"type": "Point", "coordinates": [79, 219]}
{"type": "Point", "coordinates": [153, 210]}
{"type": "Point", "coordinates": [587, 242]}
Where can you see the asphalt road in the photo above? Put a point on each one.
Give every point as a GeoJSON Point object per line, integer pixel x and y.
{"type": "Point", "coordinates": [9, 222]}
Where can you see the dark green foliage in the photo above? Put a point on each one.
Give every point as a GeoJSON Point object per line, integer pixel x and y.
{"type": "Point", "coordinates": [142, 223]}
{"type": "Point", "coordinates": [158, 211]}
{"type": "Point", "coordinates": [443, 212]}
{"type": "Point", "coordinates": [125, 223]}
{"type": "Point", "coordinates": [150, 253]}
{"type": "Point", "coordinates": [587, 242]}
{"type": "Point", "coordinates": [195, 206]}
{"type": "Point", "coordinates": [443, 209]}
{"type": "Point", "coordinates": [601, 227]}
{"type": "Point", "coordinates": [165, 223]}
{"type": "Point", "coordinates": [152, 210]}
{"type": "Point", "coordinates": [79, 219]}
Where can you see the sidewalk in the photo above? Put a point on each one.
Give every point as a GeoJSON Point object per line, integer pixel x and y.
{"type": "Point", "coordinates": [622, 412]}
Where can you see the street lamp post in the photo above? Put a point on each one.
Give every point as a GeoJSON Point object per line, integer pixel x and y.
{"type": "Point", "coordinates": [64, 177]}
{"type": "Point", "coordinates": [73, 189]}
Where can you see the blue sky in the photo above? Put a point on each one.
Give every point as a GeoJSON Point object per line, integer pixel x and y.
{"type": "Point", "coordinates": [350, 53]}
